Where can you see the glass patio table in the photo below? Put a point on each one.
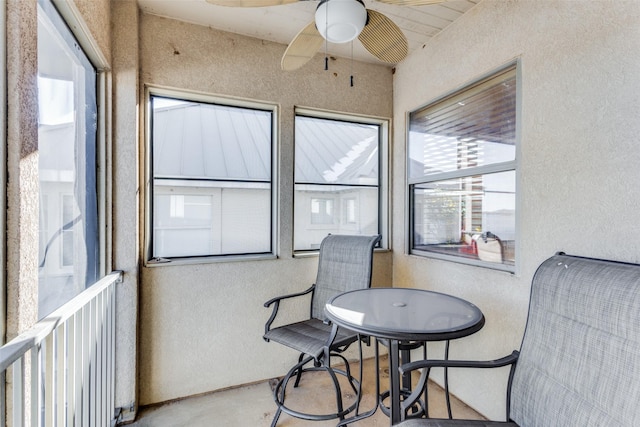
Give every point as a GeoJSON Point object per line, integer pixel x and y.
{"type": "Point", "coordinates": [402, 315]}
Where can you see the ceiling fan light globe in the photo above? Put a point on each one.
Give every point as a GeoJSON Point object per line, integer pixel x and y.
{"type": "Point", "coordinates": [340, 21]}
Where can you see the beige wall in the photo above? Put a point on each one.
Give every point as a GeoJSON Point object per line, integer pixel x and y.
{"type": "Point", "coordinates": [96, 16]}
{"type": "Point", "coordinates": [201, 325]}
{"type": "Point", "coordinates": [22, 167]}
{"type": "Point", "coordinates": [578, 155]}
{"type": "Point", "coordinates": [125, 197]}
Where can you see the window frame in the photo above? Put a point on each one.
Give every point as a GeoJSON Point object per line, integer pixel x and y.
{"type": "Point", "coordinates": [384, 126]}
{"type": "Point", "coordinates": [208, 98]}
{"type": "Point", "coordinates": [498, 167]}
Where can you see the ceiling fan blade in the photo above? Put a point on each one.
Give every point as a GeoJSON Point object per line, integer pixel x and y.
{"type": "Point", "coordinates": [302, 48]}
{"type": "Point", "coordinates": [250, 3]}
{"type": "Point", "coordinates": [383, 39]}
{"type": "Point", "coordinates": [411, 2]}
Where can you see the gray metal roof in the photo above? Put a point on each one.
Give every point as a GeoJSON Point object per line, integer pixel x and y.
{"type": "Point", "coordinates": [338, 152]}
{"type": "Point", "coordinates": [206, 141]}
{"type": "Point", "coordinates": [209, 141]}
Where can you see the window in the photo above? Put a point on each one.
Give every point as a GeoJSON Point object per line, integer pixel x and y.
{"type": "Point", "coordinates": [211, 163]}
{"type": "Point", "coordinates": [321, 211]}
{"type": "Point", "coordinates": [462, 175]}
{"type": "Point", "coordinates": [69, 251]}
{"type": "Point", "coordinates": [69, 213]}
{"type": "Point", "coordinates": [349, 209]}
{"type": "Point", "coordinates": [339, 176]}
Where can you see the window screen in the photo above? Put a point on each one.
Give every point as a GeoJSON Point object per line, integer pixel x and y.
{"type": "Point", "coordinates": [69, 259]}
{"type": "Point", "coordinates": [212, 175]}
{"type": "Point", "coordinates": [337, 179]}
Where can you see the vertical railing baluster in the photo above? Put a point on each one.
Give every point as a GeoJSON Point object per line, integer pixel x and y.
{"type": "Point", "coordinates": [50, 378]}
{"type": "Point", "coordinates": [37, 392]}
{"type": "Point", "coordinates": [100, 400]}
{"type": "Point", "coordinates": [87, 339]}
{"type": "Point", "coordinates": [61, 374]}
{"type": "Point", "coordinates": [71, 370]}
{"type": "Point", "coordinates": [18, 392]}
{"type": "Point", "coordinates": [79, 368]}
{"type": "Point", "coordinates": [93, 365]}
{"type": "Point", "coordinates": [3, 398]}
{"type": "Point", "coordinates": [112, 345]}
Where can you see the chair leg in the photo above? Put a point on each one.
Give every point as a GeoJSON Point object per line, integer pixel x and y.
{"type": "Point", "coordinates": [276, 417]}
{"type": "Point", "coordinates": [280, 391]}
{"type": "Point", "coordinates": [357, 415]}
{"type": "Point", "coordinates": [299, 371]}
{"type": "Point", "coordinates": [347, 370]}
{"type": "Point", "coordinates": [337, 389]}
{"type": "Point", "coordinates": [426, 392]}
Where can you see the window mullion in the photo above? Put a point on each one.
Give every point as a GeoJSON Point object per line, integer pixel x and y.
{"type": "Point", "coordinates": [461, 173]}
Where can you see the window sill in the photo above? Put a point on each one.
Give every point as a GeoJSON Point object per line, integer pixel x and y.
{"type": "Point", "coordinates": [507, 268]}
{"type": "Point", "coordinates": [166, 262]}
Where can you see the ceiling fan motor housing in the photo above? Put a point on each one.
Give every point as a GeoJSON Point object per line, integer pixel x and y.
{"type": "Point", "coordinates": [340, 21]}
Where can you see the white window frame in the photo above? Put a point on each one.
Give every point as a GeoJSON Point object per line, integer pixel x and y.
{"type": "Point", "coordinates": [507, 166]}
{"type": "Point", "coordinates": [383, 171]}
{"type": "Point", "coordinates": [194, 96]}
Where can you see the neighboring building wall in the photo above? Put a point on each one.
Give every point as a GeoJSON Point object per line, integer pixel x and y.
{"type": "Point", "coordinates": [578, 155]}
{"type": "Point", "coordinates": [201, 325]}
{"type": "Point", "coordinates": [315, 232]}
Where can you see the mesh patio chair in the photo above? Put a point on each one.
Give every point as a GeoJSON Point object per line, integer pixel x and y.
{"type": "Point", "coordinates": [579, 359]}
{"type": "Point", "coordinates": [345, 264]}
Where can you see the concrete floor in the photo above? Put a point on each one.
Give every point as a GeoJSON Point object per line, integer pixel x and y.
{"type": "Point", "coordinates": [253, 405]}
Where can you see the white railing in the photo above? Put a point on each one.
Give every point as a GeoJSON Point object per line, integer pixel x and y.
{"type": "Point", "coordinates": [61, 371]}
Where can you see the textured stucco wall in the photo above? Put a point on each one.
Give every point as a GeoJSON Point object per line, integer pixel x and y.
{"type": "Point", "coordinates": [124, 27]}
{"type": "Point", "coordinates": [22, 205]}
{"type": "Point", "coordinates": [578, 157]}
{"type": "Point", "coordinates": [22, 167]}
{"type": "Point", "coordinates": [201, 325]}
{"type": "Point", "coordinates": [96, 15]}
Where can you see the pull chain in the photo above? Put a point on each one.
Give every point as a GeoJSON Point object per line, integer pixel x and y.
{"type": "Point", "coordinates": [351, 80]}
{"type": "Point", "coordinates": [326, 32]}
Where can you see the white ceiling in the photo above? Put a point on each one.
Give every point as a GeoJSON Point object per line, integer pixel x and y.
{"type": "Point", "coordinates": [282, 23]}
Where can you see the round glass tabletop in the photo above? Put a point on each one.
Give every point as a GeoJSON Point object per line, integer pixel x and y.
{"type": "Point", "coordinates": [405, 314]}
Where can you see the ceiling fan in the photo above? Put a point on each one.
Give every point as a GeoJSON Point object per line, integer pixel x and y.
{"type": "Point", "coordinates": [341, 21]}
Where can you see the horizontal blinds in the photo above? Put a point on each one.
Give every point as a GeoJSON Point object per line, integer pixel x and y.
{"type": "Point", "coordinates": [471, 128]}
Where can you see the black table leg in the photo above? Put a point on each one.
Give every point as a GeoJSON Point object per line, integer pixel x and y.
{"type": "Point", "coordinates": [394, 383]}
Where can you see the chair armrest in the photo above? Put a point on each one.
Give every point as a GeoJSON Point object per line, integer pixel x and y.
{"type": "Point", "coordinates": [505, 361]}
{"type": "Point", "coordinates": [511, 359]}
{"type": "Point", "coordinates": [298, 294]}
{"type": "Point", "coordinates": [276, 304]}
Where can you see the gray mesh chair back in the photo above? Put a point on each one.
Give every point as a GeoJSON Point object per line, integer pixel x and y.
{"type": "Point", "coordinates": [579, 363]}
{"type": "Point", "coordinates": [345, 264]}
